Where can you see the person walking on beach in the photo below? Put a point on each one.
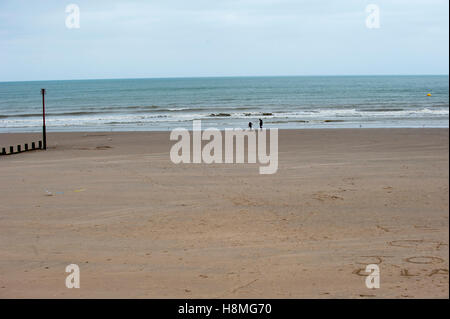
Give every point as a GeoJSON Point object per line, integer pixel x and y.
{"type": "Point", "coordinates": [260, 124]}
{"type": "Point", "coordinates": [250, 125]}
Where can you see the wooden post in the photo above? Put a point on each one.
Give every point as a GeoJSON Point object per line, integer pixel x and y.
{"type": "Point", "coordinates": [44, 133]}
{"type": "Point", "coordinates": [19, 147]}
{"type": "Point", "coordinates": [33, 145]}
{"type": "Point", "coordinates": [11, 150]}
{"type": "Point", "coordinates": [40, 144]}
{"type": "Point", "coordinates": [26, 147]}
{"type": "Point", "coordinates": [3, 150]}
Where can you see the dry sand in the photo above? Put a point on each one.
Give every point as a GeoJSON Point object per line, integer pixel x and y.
{"type": "Point", "coordinates": [140, 226]}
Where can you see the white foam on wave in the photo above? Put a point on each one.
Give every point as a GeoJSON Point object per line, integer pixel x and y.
{"type": "Point", "coordinates": [319, 115]}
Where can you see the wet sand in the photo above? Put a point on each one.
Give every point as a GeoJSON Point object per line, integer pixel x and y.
{"type": "Point", "coordinates": [140, 226]}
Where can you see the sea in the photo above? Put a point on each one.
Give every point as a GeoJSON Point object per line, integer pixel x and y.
{"type": "Point", "coordinates": [290, 102]}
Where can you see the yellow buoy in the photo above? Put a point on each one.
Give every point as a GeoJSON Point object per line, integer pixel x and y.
{"type": "Point", "coordinates": [429, 94]}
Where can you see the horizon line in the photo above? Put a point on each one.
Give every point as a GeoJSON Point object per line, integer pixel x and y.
{"type": "Point", "coordinates": [221, 76]}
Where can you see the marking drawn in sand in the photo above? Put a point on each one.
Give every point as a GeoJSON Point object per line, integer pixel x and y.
{"type": "Point", "coordinates": [244, 286]}
{"type": "Point", "coordinates": [405, 273]}
{"type": "Point", "coordinates": [414, 243]}
{"type": "Point", "coordinates": [239, 287]}
{"type": "Point", "coordinates": [360, 272]}
{"type": "Point", "coordinates": [440, 271]}
{"type": "Point", "coordinates": [378, 261]}
{"type": "Point", "coordinates": [425, 260]}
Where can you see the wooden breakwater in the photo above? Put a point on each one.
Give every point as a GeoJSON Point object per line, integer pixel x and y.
{"type": "Point", "coordinates": [18, 148]}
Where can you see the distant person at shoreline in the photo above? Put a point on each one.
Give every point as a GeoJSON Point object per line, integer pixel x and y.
{"type": "Point", "coordinates": [260, 124]}
{"type": "Point", "coordinates": [250, 125]}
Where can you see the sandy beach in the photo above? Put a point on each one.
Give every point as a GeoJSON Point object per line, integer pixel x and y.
{"type": "Point", "coordinates": [140, 226]}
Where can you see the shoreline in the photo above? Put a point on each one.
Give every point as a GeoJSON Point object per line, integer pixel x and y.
{"type": "Point", "coordinates": [221, 128]}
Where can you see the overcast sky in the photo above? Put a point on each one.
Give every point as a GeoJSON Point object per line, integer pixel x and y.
{"type": "Point", "coordinates": [181, 38]}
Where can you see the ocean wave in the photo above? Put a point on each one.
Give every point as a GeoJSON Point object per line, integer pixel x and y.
{"type": "Point", "coordinates": [237, 112]}
{"type": "Point", "coordinates": [220, 114]}
{"type": "Point", "coordinates": [90, 118]}
{"type": "Point", "coordinates": [382, 110]}
{"type": "Point", "coordinates": [39, 115]}
{"type": "Point", "coordinates": [142, 107]}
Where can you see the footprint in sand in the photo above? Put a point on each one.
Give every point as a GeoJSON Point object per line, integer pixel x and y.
{"type": "Point", "coordinates": [102, 147]}
{"type": "Point", "coordinates": [424, 227]}
{"type": "Point", "coordinates": [322, 197]}
{"type": "Point", "coordinates": [388, 189]}
{"type": "Point", "coordinates": [383, 228]}
{"type": "Point", "coordinates": [93, 135]}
